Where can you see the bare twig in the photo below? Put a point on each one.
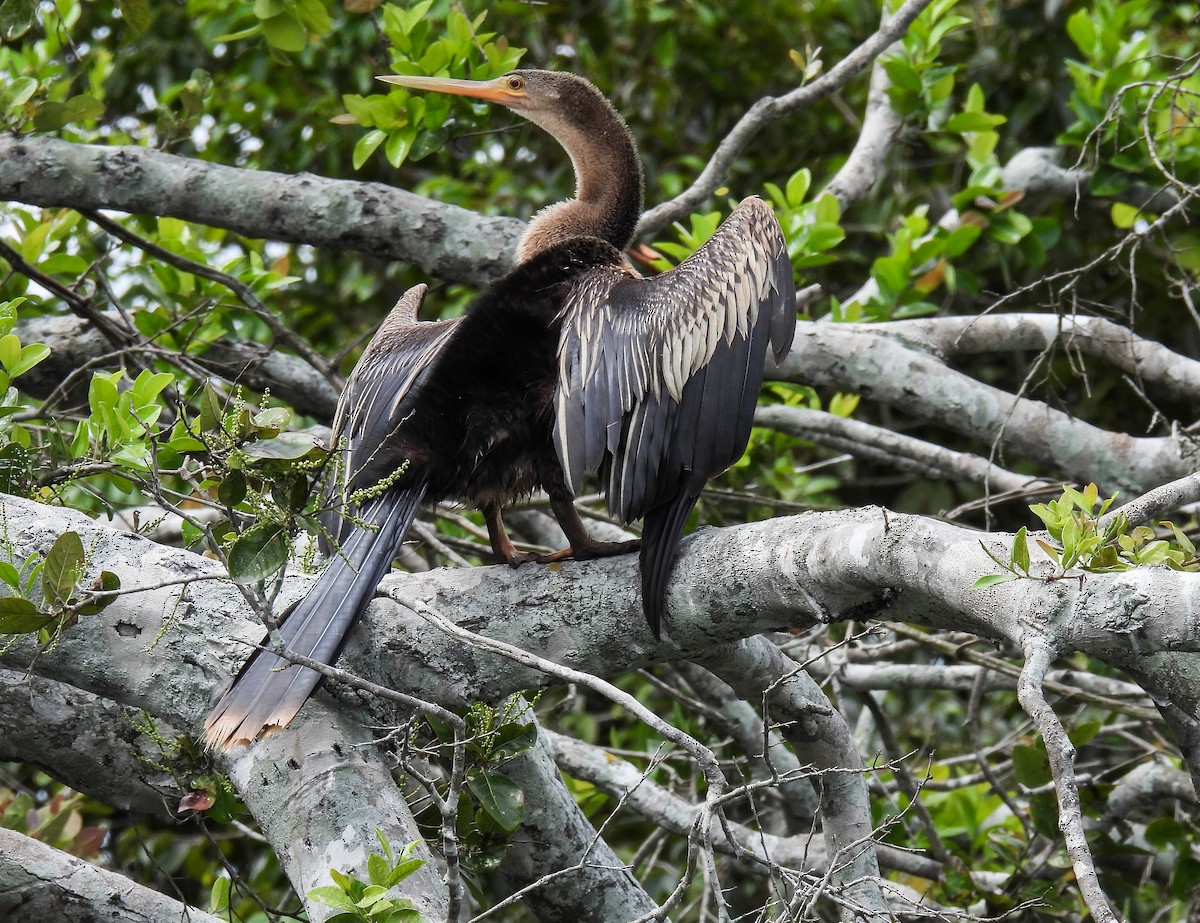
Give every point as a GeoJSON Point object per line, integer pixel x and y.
{"type": "Point", "coordinates": [772, 108]}
{"type": "Point", "coordinates": [1061, 754]}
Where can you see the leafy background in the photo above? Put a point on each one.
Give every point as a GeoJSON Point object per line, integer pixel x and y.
{"type": "Point", "coordinates": [287, 85]}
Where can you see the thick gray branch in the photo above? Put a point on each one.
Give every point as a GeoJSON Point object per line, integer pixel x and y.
{"type": "Point", "coordinates": [881, 126]}
{"type": "Point", "coordinates": [75, 344]}
{"type": "Point", "coordinates": [870, 361]}
{"type": "Point", "coordinates": [88, 742]}
{"type": "Point", "coordinates": [321, 796]}
{"type": "Point", "coordinates": [907, 453]}
{"type": "Point", "coordinates": [444, 240]}
{"type": "Point", "coordinates": [821, 739]}
{"type": "Point", "coordinates": [170, 649]}
{"type": "Point", "coordinates": [1148, 361]}
{"type": "Point", "coordinates": [568, 869]}
{"type": "Point", "coordinates": [38, 882]}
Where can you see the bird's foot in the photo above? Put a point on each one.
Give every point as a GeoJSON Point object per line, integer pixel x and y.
{"type": "Point", "coordinates": [585, 551]}
{"type": "Point", "coordinates": [515, 559]}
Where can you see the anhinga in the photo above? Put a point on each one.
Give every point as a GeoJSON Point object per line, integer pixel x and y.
{"type": "Point", "coordinates": [571, 363]}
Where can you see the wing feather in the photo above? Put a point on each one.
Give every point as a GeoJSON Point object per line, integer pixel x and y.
{"type": "Point", "coordinates": [659, 376]}
{"type": "Point", "coordinates": [380, 393]}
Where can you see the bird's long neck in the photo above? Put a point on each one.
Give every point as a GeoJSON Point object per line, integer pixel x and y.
{"type": "Point", "coordinates": [608, 181]}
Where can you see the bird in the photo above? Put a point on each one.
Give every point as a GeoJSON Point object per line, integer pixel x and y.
{"type": "Point", "coordinates": [571, 364]}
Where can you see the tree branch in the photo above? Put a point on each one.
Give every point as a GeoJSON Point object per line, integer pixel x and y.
{"type": "Point", "coordinates": [625, 782]}
{"type": "Point", "coordinates": [392, 224]}
{"type": "Point", "coordinates": [895, 450]}
{"type": "Point", "coordinates": [581, 878]}
{"type": "Point", "coordinates": [771, 108]}
{"type": "Point", "coordinates": [1150, 362]}
{"type": "Point", "coordinates": [867, 360]}
{"type": "Point", "coordinates": [728, 584]}
{"type": "Point", "coordinates": [87, 742]}
{"type": "Point", "coordinates": [38, 882]}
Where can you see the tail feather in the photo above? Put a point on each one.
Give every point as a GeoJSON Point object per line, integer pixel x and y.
{"type": "Point", "coordinates": [270, 690]}
{"type": "Point", "coordinates": [661, 530]}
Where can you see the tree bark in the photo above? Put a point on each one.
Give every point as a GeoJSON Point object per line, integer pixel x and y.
{"type": "Point", "coordinates": [392, 224]}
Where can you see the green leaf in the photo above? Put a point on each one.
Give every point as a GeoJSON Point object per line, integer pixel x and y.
{"type": "Point", "coordinates": [843, 404]}
{"type": "Point", "coordinates": [374, 897]}
{"type": "Point", "coordinates": [972, 121]}
{"type": "Point", "coordinates": [377, 870]}
{"type": "Point", "coordinates": [10, 351]}
{"type": "Point", "coordinates": [1043, 808]}
{"type": "Point", "coordinates": [105, 589]}
{"type": "Point", "coordinates": [992, 580]}
{"type": "Point", "coordinates": [959, 240]}
{"type": "Point", "coordinates": [398, 145]}
{"type": "Point", "coordinates": [19, 616]}
{"type": "Point", "coordinates": [272, 418]}
{"type": "Point", "coordinates": [1125, 216]}
{"type": "Point", "coordinates": [211, 409]}
{"type": "Point", "coordinates": [51, 116]}
{"type": "Point", "coordinates": [314, 16]}
{"type": "Point", "coordinates": [83, 108]}
{"type": "Point", "coordinates": [64, 562]}
{"type": "Point", "coordinates": [1082, 31]}
{"type": "Point", "coordinates": [403, 869]}
{"type": "Point", "coordinates": [233, 488]}
{"type": "Point", "coordinates": [1083, 733]}
{"type": "Point", "coordinates": [218, 898]}
{"type": "Point", "coordinates": [285, 446]}
{"type": "Point", "coordinates": [1020, 552]}
{"type": "Point", "coordinates": [512, 739]}
{"type": "Point", "coordinates": [149, 385]}
{"type": "Point", "coordinates": [258, 552]}
{"type": "Point", "coordinates": [9, 575]}
{"type": "Point", "coordinates": [342, 880]}
{"type": "Point", "coordinates": [17, 17]}
{"type": "Point", "coordinates": [285, 32]}
{"type": "Point", "coordinates": [266, 9]}
{"type": "Point", "coordinates": [366, 147]}
{"type": "Point", "coordinates": [332, 897]}
{"type": "Point", "coordinates": [1185, 877]}
{"type": "Point", "coordinates": [1029, 766]}
{"type": "Point", "coordinates": [500, 797]}
{"type": "Point", "coordinates": [798, 186]}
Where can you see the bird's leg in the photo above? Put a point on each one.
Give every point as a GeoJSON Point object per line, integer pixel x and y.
{"type": "Point", "coordinates": [583, 546]}
{"type": "Point", "coordinates": [502, 545]}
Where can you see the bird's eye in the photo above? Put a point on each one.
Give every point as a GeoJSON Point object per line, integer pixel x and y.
{"type": "Point", "coordinates": [515, 82]}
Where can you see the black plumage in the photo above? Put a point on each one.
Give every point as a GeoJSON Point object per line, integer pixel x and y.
{"type": "Point", "coordinates": [572, 363]}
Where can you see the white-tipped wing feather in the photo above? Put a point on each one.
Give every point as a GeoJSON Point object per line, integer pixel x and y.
{"type": "Point", "coordinates": [658, 377]}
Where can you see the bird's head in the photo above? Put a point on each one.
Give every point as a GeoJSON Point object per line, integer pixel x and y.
{"type": "Point", "coordinates": [608, 171]}
{"type": "Point", "coordinates": [541, 96]}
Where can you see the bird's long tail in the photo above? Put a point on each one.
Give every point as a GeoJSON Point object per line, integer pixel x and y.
{"type": "Point", "coordinates": [270, 690]}
{"type": "Point", "coordinates": [661, 530]}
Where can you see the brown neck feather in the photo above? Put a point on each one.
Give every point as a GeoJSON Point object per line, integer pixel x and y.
{"type": "Point", "coordinates": [608, 172]}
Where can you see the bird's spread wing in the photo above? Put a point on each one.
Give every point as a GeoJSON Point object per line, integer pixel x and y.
{"type": "Point", "coordinates": [379, 394]}
{"type": "Point", "coordinates": [659, 376]}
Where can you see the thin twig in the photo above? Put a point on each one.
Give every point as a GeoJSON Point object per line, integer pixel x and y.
{"type": "Point", "coordinates": [771, 108]}
{"type": "Point", "coordinates": [1061, 754]}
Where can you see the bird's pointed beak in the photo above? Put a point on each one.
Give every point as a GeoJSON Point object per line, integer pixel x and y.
{"type": "Point", "coordinates": [494, 91]}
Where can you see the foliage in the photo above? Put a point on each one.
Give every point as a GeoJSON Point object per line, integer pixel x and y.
{"type": "Point", "coordinates": [64, 597]}
{"type": "Point", "coordinates": [417, 125]}
{"type": "Point", "coordinates": [1078, 539]}
{"type": "Point", "coordinates": [368, 901]}
{"type": "Point", "coordinates": [288, 86]}
{"type": "Point", "coordinates": [497, 805]}
{"type": "Point", "coordinates": [59, 821]}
